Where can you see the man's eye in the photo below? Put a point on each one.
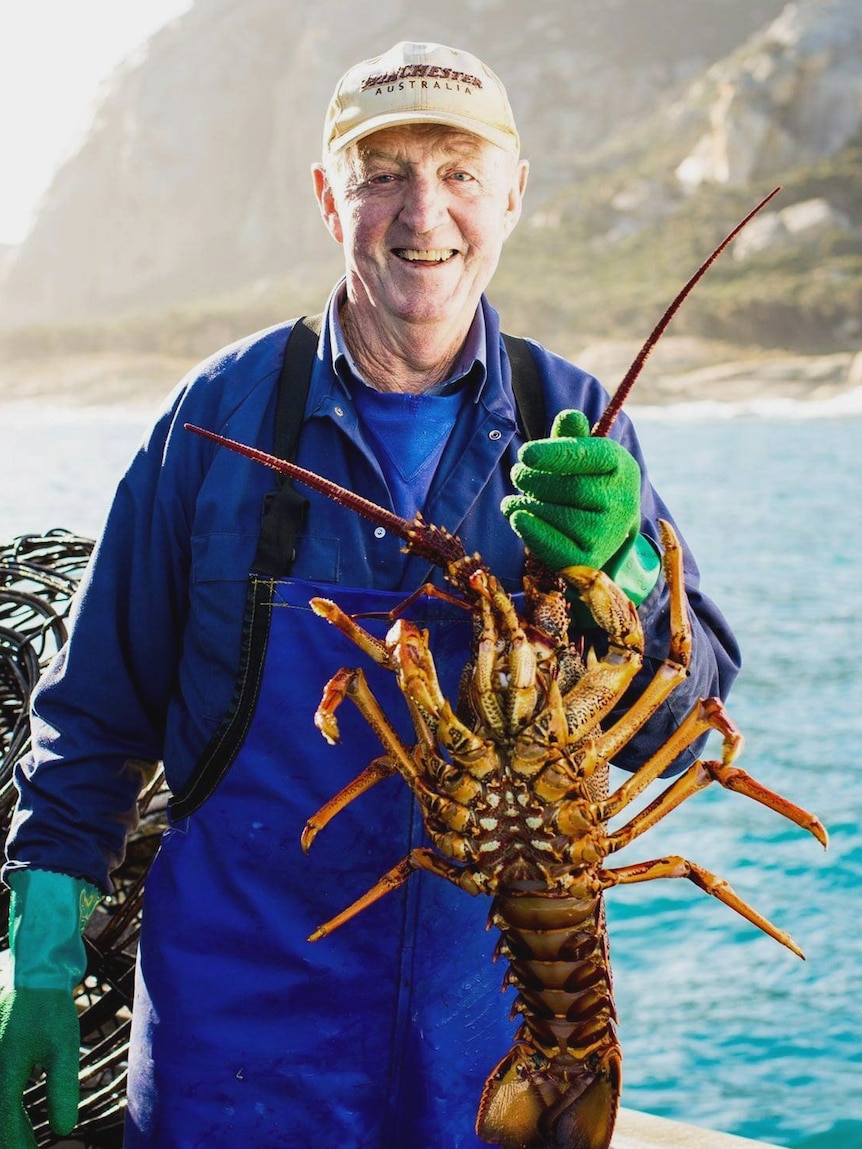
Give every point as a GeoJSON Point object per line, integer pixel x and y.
{"type": "Point", "coordinates": [461, 177]}
{"type": "Point", "coordinates": [382, 178]}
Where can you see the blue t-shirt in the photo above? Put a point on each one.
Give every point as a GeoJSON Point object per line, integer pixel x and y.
{"type": "Point", "coordinates": [408, 433]}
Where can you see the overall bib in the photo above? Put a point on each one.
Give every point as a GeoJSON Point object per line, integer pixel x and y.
{"type": "Point", "coordinates": [379, 1036]}
{"type": "Point", "coordinates": [245, 1034]}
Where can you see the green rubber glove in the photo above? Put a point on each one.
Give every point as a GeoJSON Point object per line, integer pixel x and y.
{"type": "Point", "coordinates": [38, 1019]}
{"type": "Point", "coordinates": [580, 506]}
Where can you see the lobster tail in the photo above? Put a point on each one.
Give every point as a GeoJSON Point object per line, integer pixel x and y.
{"type": "Point", "coordinates": [559, 1086]}
{"type": "Point", "coordinates": [527, 1105]}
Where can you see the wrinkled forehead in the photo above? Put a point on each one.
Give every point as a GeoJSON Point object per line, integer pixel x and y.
{"type": "Point", "coordinates": [407, 140]}
{"type": "Point", "coordinates": [409, 144]}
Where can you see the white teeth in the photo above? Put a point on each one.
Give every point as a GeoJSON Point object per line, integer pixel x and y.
{"type": "Point", "coordinates": [433, 255]}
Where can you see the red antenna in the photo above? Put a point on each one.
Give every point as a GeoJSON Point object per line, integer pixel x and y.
{"type": "Point", "coordinates": [622, 392]}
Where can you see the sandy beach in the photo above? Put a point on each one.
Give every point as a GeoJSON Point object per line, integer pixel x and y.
{"type": "Point", "coordinates": [680, 369]}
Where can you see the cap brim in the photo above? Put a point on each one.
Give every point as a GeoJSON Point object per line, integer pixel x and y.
{"type": "Point", "coordinates": [500, 137]}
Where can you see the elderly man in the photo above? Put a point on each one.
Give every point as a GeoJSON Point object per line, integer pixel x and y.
{"type": "Point", "coordinates": [193, 643]}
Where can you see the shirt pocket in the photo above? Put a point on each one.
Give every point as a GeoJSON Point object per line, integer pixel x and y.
{"type": "Point", "coordinates": [211, 652]}
{"type": "Point", "coordinates": [318, 558]}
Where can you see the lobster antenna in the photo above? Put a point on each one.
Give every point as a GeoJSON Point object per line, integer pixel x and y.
{"type": "Point", "coordinates": [424, 539]}
{"type": "Point", "coordinates": [613, 408]}
{"type": "Point", "coordinates": [338, 494]}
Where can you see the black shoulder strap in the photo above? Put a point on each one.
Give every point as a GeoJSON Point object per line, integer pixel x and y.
{"type": "Point", "coordinates": [527, 388]}
{"type": "Point", "coordinates": [284, 508]}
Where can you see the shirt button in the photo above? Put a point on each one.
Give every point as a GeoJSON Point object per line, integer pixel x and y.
{"type": "Point", "coordinates": [339, 411]}
{"type": "Point", "coordinates": [380, 532]}
{"type": "Point", "coordinates": [495, 435]}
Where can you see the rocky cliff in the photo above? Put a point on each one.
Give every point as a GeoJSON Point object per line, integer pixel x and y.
{"type": "Point", "coordinates": [790, 96]}
{"type": "Point", "coordinates": [651, 126]}
{"type": "Point", "coordinates": [194, 177]}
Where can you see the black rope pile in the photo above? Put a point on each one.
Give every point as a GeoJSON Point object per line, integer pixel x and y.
{"type": "Point", "coordinates": [38, 578]}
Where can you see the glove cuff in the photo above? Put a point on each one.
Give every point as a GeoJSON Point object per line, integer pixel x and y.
{"type": "Point", "coordinates": [48, 912]}
{"type": "Point", "coordinates": [635, 569]}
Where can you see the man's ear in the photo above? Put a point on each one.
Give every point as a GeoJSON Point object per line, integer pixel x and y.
{"type": "Point", "coordinates": [326, 202]}
{"type": "Point", "coordinates": [516, 195]}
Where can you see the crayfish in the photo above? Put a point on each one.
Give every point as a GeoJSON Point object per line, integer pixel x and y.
{"type": "Point", "coordinates": [512, 783]}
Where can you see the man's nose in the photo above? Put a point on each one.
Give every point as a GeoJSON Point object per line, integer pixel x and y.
{"type": "Point", "coordinates": [424, 205]}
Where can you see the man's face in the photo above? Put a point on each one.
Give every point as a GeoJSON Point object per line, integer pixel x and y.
{"type": "Point", "coordinates": [422, 213]}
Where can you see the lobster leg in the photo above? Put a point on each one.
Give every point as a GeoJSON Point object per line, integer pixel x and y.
{"type": "Point", "coordinates": [708, 714]}
{"type": "Point", "coordinates": [421, 858]}
{"type": "Point", "coordinates": [604, 682]}
{"type": "Point", "coordinates": [680, 626]}
{"type": "Point", "coordinates": [674, 668]}
{"type": "Point", "coordinates": [610, 608]}
{"type": "Point", "coordinates": [427, 590]}
{"type": "Point", "coordinates": [411, 660]}
{"type": "Point", "coordinates": [484, 695]}
{"type": "Point", "coordinates": [380, 768]}
{"type": "Point", "coordinates": [601, 687]}
{"type": "Point", "coordinates": [405, 651]}
{"type": "Point", "coordinates": [414, 665]}
{"type": "Point", "coordinates": [522, 690]}
{"type": "Point", "coordinates": [366, 642]}
{"type": "Point", "coordinates": [675, 866]}
{"type": "Point", "coordinates": [734, 778]}
{"type": "Point", "coordinates": [702, 774]}
{"type": "Point", "coordinates": [351, 683]}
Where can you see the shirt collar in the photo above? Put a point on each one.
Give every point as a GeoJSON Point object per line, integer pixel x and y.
{"type": "Point", "coordinates": [472, 366]}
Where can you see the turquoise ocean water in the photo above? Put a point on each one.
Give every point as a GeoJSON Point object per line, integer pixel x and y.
{"type": "Point", "coordinates": [720, 1025]}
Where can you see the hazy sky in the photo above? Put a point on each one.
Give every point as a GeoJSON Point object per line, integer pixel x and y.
{"type": "Point", "coordinates": [54, 55]}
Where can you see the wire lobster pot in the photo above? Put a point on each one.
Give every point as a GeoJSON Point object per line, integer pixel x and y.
{"type": "Point", "coordinates": [39, 575]}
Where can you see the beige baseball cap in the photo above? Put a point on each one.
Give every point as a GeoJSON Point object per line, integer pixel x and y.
{"type": "Point", "coordinates": [419, 83]}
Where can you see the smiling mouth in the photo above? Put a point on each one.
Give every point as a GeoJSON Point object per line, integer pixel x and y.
{"type": "Point", "coordinates": [428, 255]}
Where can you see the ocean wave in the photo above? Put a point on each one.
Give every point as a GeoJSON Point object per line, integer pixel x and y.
{"type": "Point", "coordinates": [34, 414]}
{"type": "Point", "coordinates": [698, 410]}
